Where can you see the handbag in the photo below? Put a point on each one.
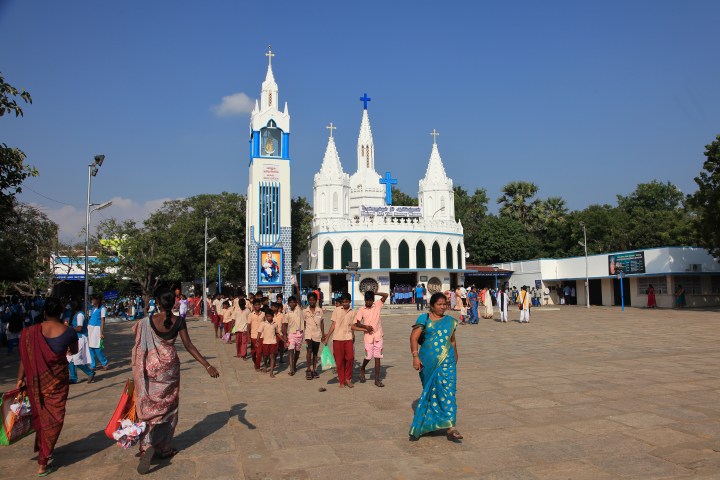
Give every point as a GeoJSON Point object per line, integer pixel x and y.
{"type": "Point", "coordinates": [421, 338]}
{"type": "Point", "coordinates": [125, 409]}
{"type": "Point", "coordinates": [16, 416]}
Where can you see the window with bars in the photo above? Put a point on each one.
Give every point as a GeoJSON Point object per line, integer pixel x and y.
{"type": "Point", "coordinates": [269, 212]}
{"type": "Point", "coordinates": [659, 285]}
{"type": "Point", "coordinates": [691, 284]}
{"type": "Point", "coordinates": [715, 284]}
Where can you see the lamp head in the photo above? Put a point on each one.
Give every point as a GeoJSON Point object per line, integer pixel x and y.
{"type": "Point", "coordinates": [99, 159]}
{"type": "Point", "coordinates": [582, 224]}
{"type": "Point", "coordinates": [93, 170]}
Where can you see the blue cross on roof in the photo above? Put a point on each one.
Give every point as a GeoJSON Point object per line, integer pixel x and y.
{"type": "Point", "coordinates": [365, 99]}
{"type": "Point", "coordinates": [388, 181]}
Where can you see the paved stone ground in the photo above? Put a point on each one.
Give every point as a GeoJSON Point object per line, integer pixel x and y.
{"type": "Point", "coordinates": [575, 394]}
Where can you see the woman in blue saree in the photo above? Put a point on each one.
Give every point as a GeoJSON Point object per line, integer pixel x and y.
{"type": "Point", "coordinates": [436, 360]}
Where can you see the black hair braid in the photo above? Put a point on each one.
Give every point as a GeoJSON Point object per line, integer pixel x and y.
{"type": "Point", "coordinates": [167, 301]}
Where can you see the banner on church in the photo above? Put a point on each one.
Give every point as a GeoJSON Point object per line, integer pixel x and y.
{"type": "Point", "coordinates": [390, 211]}
{"type": "Point", "coordinates": [270, 261]}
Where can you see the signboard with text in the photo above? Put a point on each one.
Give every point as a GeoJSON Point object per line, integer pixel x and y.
{"type": "Point", "coordinates": [626, 263]}
{"type": "Point", "coordinates": [390, 211]}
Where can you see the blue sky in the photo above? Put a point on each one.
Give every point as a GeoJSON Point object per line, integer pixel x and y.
{"type": "Point", "coordinates": [586, 99]}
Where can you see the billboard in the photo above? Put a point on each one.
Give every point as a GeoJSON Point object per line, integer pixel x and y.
{"type": "Point", "coordinates": [270, 261]}
{"type": "Point", "coordinates": [627, 263]}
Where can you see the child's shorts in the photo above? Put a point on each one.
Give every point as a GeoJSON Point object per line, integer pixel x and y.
{"type": "Point", "coordinates": [374, 349]}
{"type": "Point", "coordinates": [295, 341]}
{"type": "Point", "coordinates": [269, 349]}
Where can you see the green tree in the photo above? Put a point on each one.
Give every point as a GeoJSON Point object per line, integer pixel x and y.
{"type": "Point", "coordinates": [403, 199]}
{"type": "Point", "coordinates": [301, 223]}
{"type": "Point", "coordinates": [706, 200]}
{"type": "Point", "coordinates": [13, 169]}
{"type": "Point", "coordinates": [27, 238]}
{"type": "Point", "coordinates": [656, 216]}
{"type": "Point", "coordinates": [516, 202]}
{"type": "Point", "coordinates": [501, 239]}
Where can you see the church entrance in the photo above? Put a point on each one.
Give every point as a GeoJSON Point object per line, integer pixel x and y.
{"type": "Point", "coordinates": [402, 285]}
{"type": "Point", "coordinates": [338, 284]}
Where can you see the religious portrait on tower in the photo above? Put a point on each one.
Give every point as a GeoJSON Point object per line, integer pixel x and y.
{"type": "Point", "coordinates": [270, 267]}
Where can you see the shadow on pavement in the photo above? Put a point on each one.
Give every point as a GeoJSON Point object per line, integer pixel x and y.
{"type": "Point", "coordinates": [79, 450]}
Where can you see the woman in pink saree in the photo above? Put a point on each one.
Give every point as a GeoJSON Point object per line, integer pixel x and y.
{"type": "Point", "coordinates": [156, 371]}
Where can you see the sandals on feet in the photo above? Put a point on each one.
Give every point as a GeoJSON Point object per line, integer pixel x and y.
{"type": "Point", "coordinates": [47, 472]}
{"type": "Point", "coordinates": [308, 375]}
{"type": "Point", "coordinates": [453, 435]}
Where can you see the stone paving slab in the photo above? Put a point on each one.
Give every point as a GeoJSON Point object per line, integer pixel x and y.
{"type": "Point", "coordinates": [575, 394]}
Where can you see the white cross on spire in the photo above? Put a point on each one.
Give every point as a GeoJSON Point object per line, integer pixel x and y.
{"type": "Point", "coordinates": [435, 135]}
{"type": "Point", "coordinates": [331, 128]}
{"type": "Point", "coordinates": [270, 54]}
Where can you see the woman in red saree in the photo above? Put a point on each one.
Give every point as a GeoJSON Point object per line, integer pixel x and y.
{"type": "Point", "coordinates": [156, 371]}
{"type": "Point", "coordinates": [44, 373]}
{"type": "Point", "coordinates": [651, 297]}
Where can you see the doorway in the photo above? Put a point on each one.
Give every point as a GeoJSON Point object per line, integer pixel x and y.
{"type": "Point", "coordinates": [626, 292]}
{"type": "Point", "coordinates": [596, 292]}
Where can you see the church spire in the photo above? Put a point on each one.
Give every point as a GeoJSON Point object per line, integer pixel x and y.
{"type": "Point", "coordinates": [435, 172]}
{"type": "Point", "coordinates": [269, 97]}
{"type": "Point", "coordinates": [366, 146]}
{"type": "Point", "coordinates": [331, 166]}
{"type": "Point", "coordinates": [436, 189]}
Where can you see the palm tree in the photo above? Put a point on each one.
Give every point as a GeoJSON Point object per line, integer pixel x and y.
{"type": "Point", "coordinates": [515, 201]}
{"type": "Point", "coordinates": [554, 210]}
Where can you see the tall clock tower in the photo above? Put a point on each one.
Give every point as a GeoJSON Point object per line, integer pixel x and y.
{"type": "Point", "coordinates": [268, 232]}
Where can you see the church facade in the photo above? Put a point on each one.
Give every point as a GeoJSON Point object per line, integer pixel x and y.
{"type": "Point", "coordinates": [354, 220]}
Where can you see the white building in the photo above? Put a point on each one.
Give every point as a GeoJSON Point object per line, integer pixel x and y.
{"type": "Point", "coordinates": [354, 221]}
{"type": "Point", "coordinates": [664, 268]}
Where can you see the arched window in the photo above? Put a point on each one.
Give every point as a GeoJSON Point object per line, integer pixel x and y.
{"type": "Point", "coordinates": [336, 205]}
{"type": "Point", "coordinates": [347, 204]}
{"type": "Point", "coordinates": [460, 259]}
{"type": "Point", "coordinates": [345, 254]}
{"type": "Point", "coordinates": [435, 255]}
{"type": "Point", "coordinates": [328, 256]}
{"type": "Point", "coordinates": [403, 255]}
{"type": "Point", "coordinates": [385, 254]}
{"type": "Point", "coordinates": [449, 256]}
{"type": "Point", "coordinates": [365, 255]}
{"type": "Point", "coordinates": [420, 255]}
{"type": "Point", "coordinates": [323, 202]}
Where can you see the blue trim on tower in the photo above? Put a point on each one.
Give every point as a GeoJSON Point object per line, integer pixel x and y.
{"type": "Point", "coordinates": [285, 149]}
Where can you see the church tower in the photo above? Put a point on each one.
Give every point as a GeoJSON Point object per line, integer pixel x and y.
{"type": "Point", "coordinates": [436, 195]}
{"type": "Point", "coordinates": [331, 195]}
{"type": "Point", "coordinates": [268, 228]}
{"type": "Point", "coordinates": [365, 187]}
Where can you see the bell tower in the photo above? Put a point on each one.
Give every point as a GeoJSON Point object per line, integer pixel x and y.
{"type": "Point", "coordinates": [268, 229]}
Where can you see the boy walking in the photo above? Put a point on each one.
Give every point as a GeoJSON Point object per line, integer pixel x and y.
{"type": "Point", "coordinates": [294, 333]}
{"type": "Point", "coordinates": [368, 319]}
{"type": "Point", "coordinates": [267, 335]}
{"type": "Point", "coordinates": [242, 314]}
{"type": "Point", "coordinates": [314, 332]}
{"type": "Point", "coordinates": [281, 321]}
{"type": "Point", "coordinates": [254, 320]}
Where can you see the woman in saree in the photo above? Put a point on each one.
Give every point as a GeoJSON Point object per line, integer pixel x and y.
{"type": "Point", "coordinates": [156, 372]}
{"type": "Point", "coordinates": [44, 374]}
{"type": "Point", "coordinates": [487, 302]}
{"type": "Point", "coordinates": [436, 360]}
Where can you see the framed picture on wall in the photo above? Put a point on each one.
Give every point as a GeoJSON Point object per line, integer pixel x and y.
{"type": "Point", "coordinates": [270, 264]}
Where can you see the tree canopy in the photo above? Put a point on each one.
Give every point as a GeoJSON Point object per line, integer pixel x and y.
{"type": "Point", "coordinates": [706, 200]}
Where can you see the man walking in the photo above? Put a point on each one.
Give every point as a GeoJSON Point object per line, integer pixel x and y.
{"type": "Point", "coordinates": [368, 317]}
{"type": "Point", "coordinates": [524, 302]}
{"type": "Point", "coordinates": [502, 302]}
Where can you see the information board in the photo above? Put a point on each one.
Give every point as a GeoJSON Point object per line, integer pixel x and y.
{"type": "Point", "coordinates": [627, 263]}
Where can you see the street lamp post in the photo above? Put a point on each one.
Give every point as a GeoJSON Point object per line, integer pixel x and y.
{"type": "Point", "coordinates": [300, 283]}
{"type": "Point", "coordinates": [353, 268]}
{"type": "Point", "coordinates": [587, 279]}
{"type": "Point", "coordinates": [205, 271]}
{"type": "Point", "coordinates": [92, 171]}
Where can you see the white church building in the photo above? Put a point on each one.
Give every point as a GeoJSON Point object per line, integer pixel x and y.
{"type": "Point", "coordinates": [354, 220]}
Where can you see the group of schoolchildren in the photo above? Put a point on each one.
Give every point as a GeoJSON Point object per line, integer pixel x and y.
{"type": "Point", "coordinates": [271, 329]}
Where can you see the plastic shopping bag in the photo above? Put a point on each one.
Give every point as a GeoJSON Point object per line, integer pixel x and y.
{"type": "Point", "coordinates": [327, 361]}
{"type": "Point", "coordinates": [16, 417]}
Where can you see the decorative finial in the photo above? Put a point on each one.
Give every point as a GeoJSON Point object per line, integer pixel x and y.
{"type": "Point", "coordinates": [365, 99]}
{"type": "Point", "coordinates": [435, 135]}
{"type": "Point", "coordinates": [269, 54]}
{"type": "Point", "coordinates": [331, 128]}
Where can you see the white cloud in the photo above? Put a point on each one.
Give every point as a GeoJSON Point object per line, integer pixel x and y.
{"type": "Point", "coordinates": [235, 104]}
{"type": "Point", "coordinates": [71, 220]}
